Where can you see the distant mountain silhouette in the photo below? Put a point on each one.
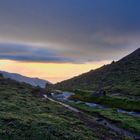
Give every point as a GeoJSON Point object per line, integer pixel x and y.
{"type": "Point", "coordinates": [28, 80]}
{"type": "Point", "coordinates": [122, 76]}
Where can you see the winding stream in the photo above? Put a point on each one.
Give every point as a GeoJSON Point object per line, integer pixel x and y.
{"type": "Point", "coordinates": [99, 120]}
{"type": "Point", "coordinates": [64, 96]}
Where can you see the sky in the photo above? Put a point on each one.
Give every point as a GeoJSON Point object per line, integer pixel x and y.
{"type": "Point", "coordinates": [58, 39]}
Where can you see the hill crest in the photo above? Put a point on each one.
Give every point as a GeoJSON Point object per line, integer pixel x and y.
{"type": "Point", "coordinates": [121, 76]}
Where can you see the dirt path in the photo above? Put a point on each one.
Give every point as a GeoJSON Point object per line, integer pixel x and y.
{"type": "Point", "coordinates": [100, 126]}
{"type": "Point", "coordinates": [65, 105]}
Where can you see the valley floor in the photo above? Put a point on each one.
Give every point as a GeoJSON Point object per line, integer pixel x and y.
{"type": "Point", "coordinates": [25, 115]}
{"type": "Point", "coordinates": [120, 122]}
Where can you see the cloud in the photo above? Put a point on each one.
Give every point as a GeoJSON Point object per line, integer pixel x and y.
{"type": "Point", "coordinates": [22, 52]}
{"type": "Point", "coordinates": [75, 31]}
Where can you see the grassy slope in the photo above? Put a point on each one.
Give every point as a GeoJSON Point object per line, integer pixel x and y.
{"type": "Point", "coordinates": [118, 77]}
{"type": "Point", "coordinates": [123, 120]}
{"type": "Point", "coordinates": [26, 116]}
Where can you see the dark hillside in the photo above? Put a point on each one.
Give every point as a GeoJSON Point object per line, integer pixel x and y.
{"type": "Point", "coordinates": [118, 77]}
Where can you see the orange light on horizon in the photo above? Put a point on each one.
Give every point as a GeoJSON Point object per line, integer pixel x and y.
{"type": "Point", "coordinates": [53, 72]}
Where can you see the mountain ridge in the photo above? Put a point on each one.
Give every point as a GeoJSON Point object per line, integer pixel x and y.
{"type": "Point", "coordinates": [118, 76]}
{"type": "Point", "coordinates": [20, 78]}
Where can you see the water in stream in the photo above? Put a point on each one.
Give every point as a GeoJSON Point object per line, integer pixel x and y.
{"type": "Point", "coordinates": [131, 113]}
{"type": "Point", "coordinates": [64, 96]}
{"type": "Point", "coordinates": [98, 120]}
{"type": "Point", "coordinates": [95, 105]}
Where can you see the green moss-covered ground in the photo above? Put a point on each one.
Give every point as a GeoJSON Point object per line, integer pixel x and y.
{"type": "Point", "coordinates": [111, 101]}
{"type": "Point", "coordinates": [123, 120]}
{"type": "Point", "coordinates": [24, 115]}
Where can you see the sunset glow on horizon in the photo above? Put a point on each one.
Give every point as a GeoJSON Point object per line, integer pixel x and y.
{"type": "Point", "coordinates": [52, 72]}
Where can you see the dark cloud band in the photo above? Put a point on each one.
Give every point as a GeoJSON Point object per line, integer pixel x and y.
{"type": "Point", "coordinates": [78, 30]}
